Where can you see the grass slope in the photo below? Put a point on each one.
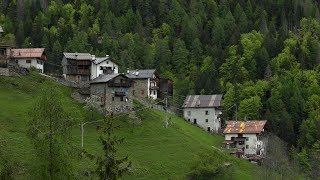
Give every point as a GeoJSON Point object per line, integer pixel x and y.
{"type": "Point", "coordinates": [155, 152]}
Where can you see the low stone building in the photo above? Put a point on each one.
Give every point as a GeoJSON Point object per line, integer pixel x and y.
{"type": "Point", "coordinates": [29, 57]}
{"type": "Point", "coordinates": [114, 91]}
{"type": "Point", "coordinates": [203, 110]}
{"type": "Point", "coordinates": [247, 137]}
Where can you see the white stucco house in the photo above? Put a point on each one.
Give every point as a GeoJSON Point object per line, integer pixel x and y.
{"type": "Point", "coordinates": [29, 57]}
{"type": "Point", "coordinates": [103, 65]}
{"type": "Point", "coordinates": [203, 110]}
{"type": "Point", "coordinates": [246, 136]}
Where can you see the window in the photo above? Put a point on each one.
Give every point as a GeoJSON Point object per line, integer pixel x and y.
{"type": "Point", "coordinates": [188, 120]}
{"type": "Point", "coordinates": [208, 128]}
{"type": "Point", "coordinates": [154, 92]}
{"type": "Point", "coordinates": [112, 98]}
{"type": "Point", "coordinates": [247, 146]}
{"type": "Point", "coordinates": [101, 68]}
{"type": "Point", "coordinates": [189, 113]}
{"type": "Point", "coordinates": [17, 61]}
{"type": "Point", "coordinates": [247, 139]}
{"type": "Point", "coordinates": [107, 62]}
{"type": "Point", "coordinates": [28, 61]}
{"type": "Point", "coordinates": [194, 121]}
{"type": "Point", "coordinates": [150, 92]}
{"type": "Point", "coordinates": [207, 120]}
{"type": "Point", "coordinates": [207, 112]}
{"type": "Point", "coordinates": [121, 98]}
{"type": "Point", "coordinates": [142, 92]}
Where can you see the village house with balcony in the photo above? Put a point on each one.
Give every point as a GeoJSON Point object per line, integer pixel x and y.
{"type": "Point", "coordinates": [203, 111]}
{"type": "Point", "coordinates": [103, 65]}
{"type": "Point", "coordinates": [76, 67]}
{"type": "Point", "coordinates": [29, 57]}
{"type": "Point", "coordinates": [148, 84]}
{"type": "Point", "coordinates": [247, 138]}
{"type": "Point", "coordinates": [114, 92]}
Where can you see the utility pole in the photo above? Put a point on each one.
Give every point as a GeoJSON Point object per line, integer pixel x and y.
{"type": "Point", "coordinates": [167, 123]}
{"type": "Point", "coordinates": [82, 129]}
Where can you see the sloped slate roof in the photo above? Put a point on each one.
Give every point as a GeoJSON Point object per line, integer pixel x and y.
{"type": "Point", "coordinates": [78, 56]}
{"type": "Point", "coordinates": [27, 53]}
{"type": "Point", "coordinates": [198, 101]}
{"type": "Point", "coordinates": [141, 74]}
{"type": "Point", "coordinates": [99, 60]}
{"type": "Point", "coordinates": [244, 127]}
{"type": "Point", "coordinates": [105, 78]}
{"type": "Point", "coordinates": [1, 30]}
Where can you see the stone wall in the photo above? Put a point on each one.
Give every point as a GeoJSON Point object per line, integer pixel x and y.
{"type": "Point", "coordinates": [4, 72]}
{"type": "Point", "coordinates": [13, 69]}
{"type": "Point", "coordinates": [140, 88]}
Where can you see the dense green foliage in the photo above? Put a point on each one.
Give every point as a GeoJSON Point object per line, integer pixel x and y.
{"type": "Point", "coordinates": [263, 55]}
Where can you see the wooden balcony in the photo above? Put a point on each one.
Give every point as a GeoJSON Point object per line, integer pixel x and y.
{"type": "Point", "coordinates": [84, 71]}
{"type": "Point", "coordinates": [152, 87]}
{"type": "Point", "coordinates": [123, 84]}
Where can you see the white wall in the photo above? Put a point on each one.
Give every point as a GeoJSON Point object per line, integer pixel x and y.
{"type": "Point", "coordinates": [199, 114]}
{"type": "Point", "coordinates": [34, 63]}
{"type": "Point", "coordinates": [250, 144]}
{"type": "Point", "coordinates": [95, 69]}
{"type": "Point", "coordinates": [153, 94]}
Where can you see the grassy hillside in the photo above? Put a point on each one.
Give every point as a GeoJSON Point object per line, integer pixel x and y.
{"type": "Point", "coordinates": [155, 152]}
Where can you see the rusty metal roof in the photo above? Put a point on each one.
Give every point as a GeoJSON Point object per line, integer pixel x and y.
{"type": "Point", "coordinates": [244, 127]}
{"type": "Point", "coordinates": [198, 101]}
{"type": "Point", "coordinates": [27, 53]}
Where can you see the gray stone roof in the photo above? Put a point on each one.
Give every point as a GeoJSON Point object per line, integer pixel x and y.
{"type": "Point", "coordinates": [105, 78]}
{"type": "Point", "coordinates": [198, 101]}
{"type": "Point", "coordinates": [1, 30]}
{"type": "Point", "coordinates": [78, 56]}
{"type": "Point", "coordinates": [141, 74]}
{"type": "Point", "coordinates": [99, 60]}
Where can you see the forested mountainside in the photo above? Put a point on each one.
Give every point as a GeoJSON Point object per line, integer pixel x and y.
{"type": "Point", "coordinates": [263, 56]}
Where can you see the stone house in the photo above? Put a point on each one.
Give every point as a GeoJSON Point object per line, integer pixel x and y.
{"type": "Point", "coordinates": [103, 65]}
{"type": "Point", "coordinates": [148, 84]}
{"type": "Point", "coordinates": [248, 137]}
{"type": "Point", "coordinates": [29, 57]}
{"type": "Point", "coordinates": [76, 66]}
{"type": "Point", "coordinates": [114, 91]}
{"type": "Point", "coordinates": [203, 110]}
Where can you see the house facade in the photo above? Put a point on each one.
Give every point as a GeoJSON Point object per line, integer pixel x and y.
{"type": "Point", "coordinates": [246, 136]}
{"type": "Point", "coordinates": [29, 57]}
{"type": "Point", "coordinates": [114, 91]}
{"type": "Point", "coordinates": [103, 65]}
{"type": "Point", "coordinates": [148, 84]}
{"type": "Point", "coordinates": [203, 110]}
{"type": "Point", "coordinates": [76, 66]}
{"type": "Point", "coordinates": [5, 51]}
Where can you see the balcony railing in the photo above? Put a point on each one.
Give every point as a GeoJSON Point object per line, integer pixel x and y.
{"type": "Point", "coordinates": [123, 84]}
{"type": "Point", "coordinates": [84, 71]}
{"type": "Point", "coordinates": [119, 93]}
{"type": "Point", "coordinates": [153, 87]}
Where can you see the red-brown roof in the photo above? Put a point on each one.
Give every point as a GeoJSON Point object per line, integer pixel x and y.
{"type": "Point", "coordinates": [28, 53]}
{"type": "Point", "coordinates": [244, 127]}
